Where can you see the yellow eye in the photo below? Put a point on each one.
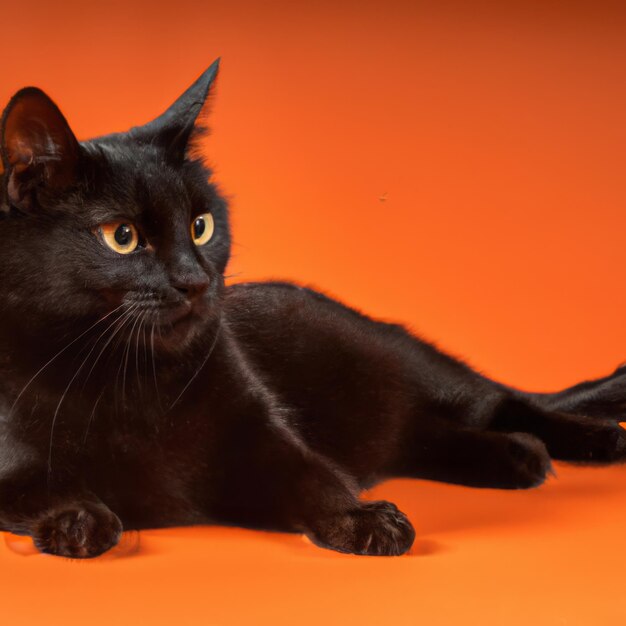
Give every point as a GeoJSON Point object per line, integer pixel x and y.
{"type": "Point", "coordinates": [121, 237]}
{"type": "Point", "coordinates": [202, 229]}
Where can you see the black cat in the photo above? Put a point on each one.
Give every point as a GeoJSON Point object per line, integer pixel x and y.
{"type": "Point", "coordinates": [137, 391]}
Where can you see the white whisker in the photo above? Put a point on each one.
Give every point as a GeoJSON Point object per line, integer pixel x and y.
{"type": "Point", "coordinates": [57, 355]}
{"type": "Point", "coordinates": [58, 407]}
{"type": "Point", "coordinates": [208, 356]}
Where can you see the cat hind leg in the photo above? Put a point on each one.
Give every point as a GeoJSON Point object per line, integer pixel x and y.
{"type": "Point", "coordinates": [568, 437]}
{"type": "Point", "coordinates": [477, 458]}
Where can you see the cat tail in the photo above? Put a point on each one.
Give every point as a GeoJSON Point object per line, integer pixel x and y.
{"type": "Point", "coordinates": [602, 398]}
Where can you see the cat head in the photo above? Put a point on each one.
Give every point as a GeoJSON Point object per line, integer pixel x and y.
{"type": "Point", "coordinates": [128, 224]}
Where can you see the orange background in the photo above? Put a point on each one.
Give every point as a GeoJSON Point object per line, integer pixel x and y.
{"type": "Point", "coordinates": [456, 166]}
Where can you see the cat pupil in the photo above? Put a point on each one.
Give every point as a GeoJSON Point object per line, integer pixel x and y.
{"type": "Point", "coordinates": [123, 235]}
{"type": "Point", "coordinates": [199, 226]}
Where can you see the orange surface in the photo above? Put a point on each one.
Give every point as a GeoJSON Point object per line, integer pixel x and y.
{"type": "Point", "coordinates": [458, 166]}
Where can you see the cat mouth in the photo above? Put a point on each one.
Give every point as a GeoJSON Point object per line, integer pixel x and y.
{"type": "Point", "coordinates": [172, 316]}
{"type": "Point", "coordinates": [176, 323]}
{"type": "Point", "coordinates": [158, 322]}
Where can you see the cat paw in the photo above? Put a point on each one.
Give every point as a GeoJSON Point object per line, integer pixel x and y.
{"type": "Point", "coordinates": [373, 529]}
{"type": "Point", "coordinates": [616, 450]}
{"type": "Point", "coordinates": [585, 440]}
{"type": "Point", "coordinates": [78, 532]}
{"type": "Point", "coordinates": [529, 461]}
{"type": "Point", "coordinates": [604, 442]}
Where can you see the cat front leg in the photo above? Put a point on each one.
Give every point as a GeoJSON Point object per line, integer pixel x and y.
{"type": "Point", "coordinates": [327, 510]}
{"type": "Point", "coordinates": [69, 522]}
{"type": "Point", "coordinates": [265, 475]}
{"type": "Point", "coordinates": [284, 484]}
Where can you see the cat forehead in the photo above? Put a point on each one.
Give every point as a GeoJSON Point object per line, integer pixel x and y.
{"type": "Point", "coordinates": [130, 159]}
{"type": "Point", "coordinates": [136, 176]}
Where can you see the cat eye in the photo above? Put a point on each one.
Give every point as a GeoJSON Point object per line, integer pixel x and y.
{"type": "Point", "coordinates": [202, 229]}
{"type": "Point", "coordinates": [121, 237]}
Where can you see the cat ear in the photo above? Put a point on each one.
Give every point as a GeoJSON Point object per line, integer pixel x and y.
{"type": "Point", "coordinates": [38, 148]}
{"type": "Point", "coordinates": [175, 129]}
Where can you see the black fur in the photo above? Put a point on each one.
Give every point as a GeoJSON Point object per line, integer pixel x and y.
{"type": "Point", "coordinates": [138, 391]}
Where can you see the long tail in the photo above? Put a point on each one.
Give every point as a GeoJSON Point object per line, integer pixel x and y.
{"type": "Point", "coordinates": [602, 398]}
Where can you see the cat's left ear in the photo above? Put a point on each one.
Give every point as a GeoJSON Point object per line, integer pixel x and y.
{"type": "Point", "coordinates": [175, 129]}
{"type": "Point", "coordinates": [38, 148]}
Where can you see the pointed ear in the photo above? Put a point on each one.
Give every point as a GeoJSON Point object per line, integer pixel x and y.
{"type": "Point", "coordinates": [39, 150]}
{"type": "Point", "coordinates": [175, 129]}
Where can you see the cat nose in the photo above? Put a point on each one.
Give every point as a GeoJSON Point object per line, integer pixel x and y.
{"type": "Point", "coordinates": [192, 287]}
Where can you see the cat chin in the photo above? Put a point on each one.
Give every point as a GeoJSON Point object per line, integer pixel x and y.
{"type": "Point", "coordinates": [178, 333]}
{"type": "Point", "coordinates": [179, 336]}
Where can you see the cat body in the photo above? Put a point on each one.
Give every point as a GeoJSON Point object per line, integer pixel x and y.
{"type": "Point", "coordinates": [137, 390]}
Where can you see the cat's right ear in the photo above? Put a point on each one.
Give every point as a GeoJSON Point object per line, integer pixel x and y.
{"type": "Point", "coordinates": [39, 150]}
